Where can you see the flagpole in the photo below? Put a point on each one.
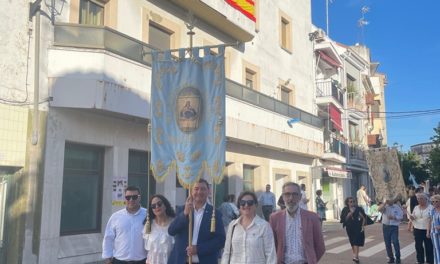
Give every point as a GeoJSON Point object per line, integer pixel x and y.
{"type": "Point", "coordinates": [326, 17]}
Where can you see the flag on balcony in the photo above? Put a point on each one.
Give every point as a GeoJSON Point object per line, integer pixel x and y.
{"type": "Point", "coordinates": [335, 116]}
{"type": "Point", "coordinates": [385, 172]}
{"type": "Point", "coordinates": [188, 116]}
{"type": "Point", "coordinates": [247, 7]}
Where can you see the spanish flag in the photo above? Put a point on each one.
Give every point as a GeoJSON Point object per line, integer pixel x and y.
{"type": "Point", "coordinates": [247, 7]}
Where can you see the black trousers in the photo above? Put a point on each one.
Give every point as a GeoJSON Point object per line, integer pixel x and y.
{"type": "Point", "coordinates": [423, 246]}
{"type": "Point", "coordinates": [117, 261]}
{"type": "Point", "coordinates": [267, 210]}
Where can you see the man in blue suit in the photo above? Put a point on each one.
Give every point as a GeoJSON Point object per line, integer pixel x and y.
{"type": "Point", "coordinates": [206, 246]}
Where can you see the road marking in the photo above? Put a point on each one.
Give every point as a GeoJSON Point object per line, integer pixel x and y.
{"type": "Point", "coordinates": [334, 240]}
{"type": "Point", "coordinates": [407, 251]}
{"type": "Point", "coordinates": [345, 247]}
{"type": "Point", "coordinates": [372, 250]}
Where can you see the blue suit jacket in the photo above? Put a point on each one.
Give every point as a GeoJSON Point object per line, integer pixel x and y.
{"type": "Point", "coordinates": [208, 244]}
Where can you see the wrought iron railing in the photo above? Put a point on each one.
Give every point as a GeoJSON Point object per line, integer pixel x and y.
{"type": "Point", "coordinates": [333, 145]}
{"type": "Point", "coordinates": [95, 37]}
{"type": "Point", "coordinates": [327, 88]}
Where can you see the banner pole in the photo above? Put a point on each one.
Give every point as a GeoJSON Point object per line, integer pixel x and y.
{"type": "Point", "coordinates": [190, 233]}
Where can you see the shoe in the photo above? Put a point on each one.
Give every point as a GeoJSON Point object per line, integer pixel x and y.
{"type": "Point", "coordinates": [390, 261]}
{"type": "Point", "coordinates": [356, 260]}
{"type": "Point", "coordinates": [397, 261]}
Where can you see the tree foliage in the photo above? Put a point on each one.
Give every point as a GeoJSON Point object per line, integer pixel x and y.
{"type": "Point", "coordinates": [410, 162]}
{"type": "Point", "coordinates": [434, 156]}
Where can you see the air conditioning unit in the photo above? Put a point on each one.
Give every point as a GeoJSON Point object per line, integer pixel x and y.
{"type": "Point", "coordinates": [320, 35]}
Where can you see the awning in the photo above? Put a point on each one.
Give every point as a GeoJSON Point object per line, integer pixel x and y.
{"type": "Point", "coordinates": [338, 173]}
{"type": "Point", "coordinates": [335, 116]}
{"type": "Point", "coordinates": [328, 59]}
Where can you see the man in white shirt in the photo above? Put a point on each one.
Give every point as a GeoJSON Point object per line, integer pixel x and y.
{"type": "Point", "coordinates": [392, 215]}
{"type": "Point", "coordinates": [362, 198]}
{"type": "Point", "coordinates": [304, 199]}
{"type": "Point", "coordinates": [268, 202]}
{"type": "Point", "coordinates": [123, 242]}
{"type": "Point", "coordinates": [205, 245]}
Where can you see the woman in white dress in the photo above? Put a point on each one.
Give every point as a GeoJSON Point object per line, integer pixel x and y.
{"type": "Point", "coordinates": [250, 238]}
{"type": "Point", "coordinates": [158, 242]}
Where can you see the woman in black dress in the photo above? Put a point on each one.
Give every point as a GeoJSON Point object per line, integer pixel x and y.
{"type": "Point", "coordinates": [353, 218]}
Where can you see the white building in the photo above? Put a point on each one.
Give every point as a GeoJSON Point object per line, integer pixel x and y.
{"type": "Point", "coordinates": [93, 86]}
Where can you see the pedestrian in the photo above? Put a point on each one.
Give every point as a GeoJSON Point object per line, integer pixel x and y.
{"type": "Point", "coordinates": [205, 245]}
{"type": "Point", "coordinates": [362, 198]}
{"type": "Point", "coordinates": [433, 230]}
{"type": "Point", "coordinates": [157, 241]}
{"type": "Point", "coordinates": [304, 200]}
{"type": "Point", "coordinates": [123, 241]}
{"type": "Point", "coordinates": [392, 215]}
{"type": "Point", "coordinates": [321, 206]}
{"type": "Point", "coordinates": [297, 232]}
{"type": "Point", "coordinates": [229, 210]}
{"type": "Point", "coordinates": [250, 238]}
{"type": "Point", "coordinates": [420, 221]}
{"type": "Point", "coordinates": [353, 219]}
{"type": "Point", "coordinates": [280, 203]}
{"type": "Point", "coordinates": [268, 202]}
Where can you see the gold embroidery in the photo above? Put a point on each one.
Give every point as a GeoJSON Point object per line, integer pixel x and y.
{"type": "Point", "coordinates": [180, 156]}
{"type": "Point", "coordinates": [158, 106]}
{"type": "Point", "coordinates": [158, 136]}
{"type": "Point", "coordinates": [196, 155]}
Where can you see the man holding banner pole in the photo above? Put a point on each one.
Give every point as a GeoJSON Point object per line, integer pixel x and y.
{"type": "Point", "coordinates": [206, 245]}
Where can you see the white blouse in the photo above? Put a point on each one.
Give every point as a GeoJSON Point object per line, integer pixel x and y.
{"type": "Point", "coordinates": [254, 245]}
{"type": "Point", "coordinates": [158, 244]}
{"type": "Point", "coordinates": [421, 216]}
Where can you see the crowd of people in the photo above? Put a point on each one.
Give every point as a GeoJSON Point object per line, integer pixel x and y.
{"type": "Point", "coordinates": [159, 235]}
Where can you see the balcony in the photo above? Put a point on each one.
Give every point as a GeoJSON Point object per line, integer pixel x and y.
{"type": "Point", "coordinates": [354, 101]}
{"type": "Point", "coordinates": [357, 156]}
{"type": "Point", "coordinates": [221, 16]}
{"type": "Point", "coordinates": [327, 91]}
{"type": "Point", "coordinates": [107, 39]}
{"type": "Point", "coordinates": [335, 150]}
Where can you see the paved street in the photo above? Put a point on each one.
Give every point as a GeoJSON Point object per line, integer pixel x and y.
{"type": "Point", "coordinates": [338, 250]}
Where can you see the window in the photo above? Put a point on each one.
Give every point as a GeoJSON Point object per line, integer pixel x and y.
{"type": "Point", "coordinates": [248, 177]}
{"type": "Point", "coordinates": [91, 13]}
{"type": "Point", "coordinates": [285, 95]}
{"type": "Point", "coordinates": [354, 133]}
{"type": "Point", "coordinates": [376, 109]}
{"type": "Point", "coordinates": [250, 79]}
{"type": "Point", "coordinates": [82, 189]}
{"type": "Point", "coordinates": [285, 32]}
{"type": "Point", "coordinates": [159, 37]}
{"type": "Point", "coordinates": [138, 165]}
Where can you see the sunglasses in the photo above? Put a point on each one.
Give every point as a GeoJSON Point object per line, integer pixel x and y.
{"type": "Point", "coordinates": [156, 205]}
{"type": "Point", "coordinates": [132, 197]}
{"type": "Point", "coordinates": [247, 202]}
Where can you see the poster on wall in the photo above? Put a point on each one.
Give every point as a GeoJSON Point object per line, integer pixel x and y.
{"type": "Point", "coordinates": [119, 185]}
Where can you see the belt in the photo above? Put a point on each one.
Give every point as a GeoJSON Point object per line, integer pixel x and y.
{"type": "Point", "coordinates": [118, 261]}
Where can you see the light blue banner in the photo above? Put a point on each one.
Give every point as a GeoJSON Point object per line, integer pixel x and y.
{"type": "Point", "coordinates": [188, 116]}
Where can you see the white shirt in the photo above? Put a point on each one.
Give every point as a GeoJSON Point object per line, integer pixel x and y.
{"type": "Point", "coordinates": [123, 236]}
{"type": "Point", "coordinates": [294, 250]}
{"type": "Point", "coordinates": [158, 243]}
{"type": "Point", "coordinates": [254, 245]}
{"type": "Point", "coordinates": [421, 217]}
{"type": "Point", "coordinates": [198, 216]}
{"type": "Point", "coordinates": [395, 211]}
{"type": "Point", "coordinates": [303, 202]}
{"type": "Point", "coordinates": [267, 198]}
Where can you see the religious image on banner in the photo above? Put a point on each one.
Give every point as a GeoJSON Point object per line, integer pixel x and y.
{"type": "Point", "coordinates": [385, 173]}
{"type": "Point", "coordinates": [188, 115]}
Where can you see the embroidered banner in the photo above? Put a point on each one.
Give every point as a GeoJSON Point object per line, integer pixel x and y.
{"type": "Point", "coordinates": [385, 172]}
{"type": "Point", "coordinates": [188, 116]}
{"type": "Point", "coordinates": [247, 7]}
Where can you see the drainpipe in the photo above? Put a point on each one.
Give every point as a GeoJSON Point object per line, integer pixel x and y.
{"type": "Point", "coordinates": [36, 79]}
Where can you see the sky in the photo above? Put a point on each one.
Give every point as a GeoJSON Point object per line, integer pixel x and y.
{"type": "Point", "coordinates": [404, 37]}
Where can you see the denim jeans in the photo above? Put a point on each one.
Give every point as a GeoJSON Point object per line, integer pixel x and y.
{"type": "Point", "coordinates": [391, 235]}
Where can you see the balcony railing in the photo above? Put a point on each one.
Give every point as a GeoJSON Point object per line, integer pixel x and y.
{"type": "Point", "coordinates": [357, 152]}
{"type": "Point", "coordinates": [94, 37]}
{"type": "Point", "coordinates": [327, 88]}
{"type": "Point", "coordinates": [333, 145]}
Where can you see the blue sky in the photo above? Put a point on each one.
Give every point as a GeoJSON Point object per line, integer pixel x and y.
{"type": "Point", "coordinates": [404, 37]}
